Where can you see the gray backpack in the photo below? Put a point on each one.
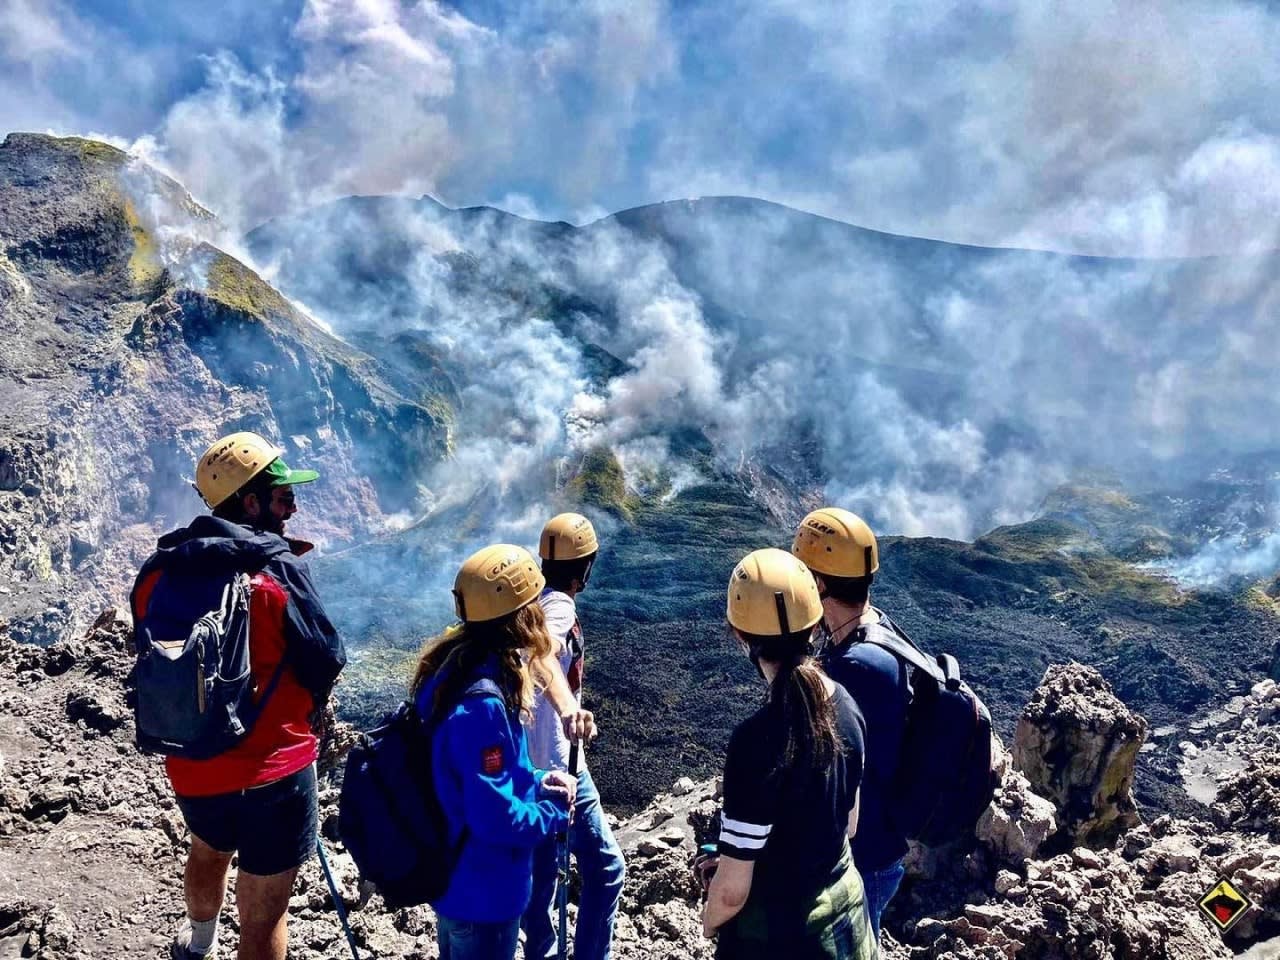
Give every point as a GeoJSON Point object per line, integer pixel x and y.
{"type": "Point", "coordinates": [196, 696]}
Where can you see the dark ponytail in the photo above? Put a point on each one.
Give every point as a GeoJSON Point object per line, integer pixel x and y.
{"type": "Point", "coordinates": [798, 699]}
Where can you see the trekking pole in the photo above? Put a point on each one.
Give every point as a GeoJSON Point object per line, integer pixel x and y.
{"type": "Point", "coordinates": [337, 899]}
{"type": "Point", "coordinates": [562, 891]}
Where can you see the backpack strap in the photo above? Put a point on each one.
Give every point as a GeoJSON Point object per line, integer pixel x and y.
{"type": "Point", "coordinates": [889, 636]}
{"type": "Point", "coordinates": [483, 687]}
{"type": "Point", "coordinates": [261, 705]}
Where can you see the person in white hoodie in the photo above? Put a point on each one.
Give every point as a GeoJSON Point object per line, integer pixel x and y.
{"type": "Point", "coordinates": [568, 548]}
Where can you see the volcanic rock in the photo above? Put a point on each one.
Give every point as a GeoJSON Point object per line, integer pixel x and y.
{"type": "Point", "coordinates": [1077, 744]}
{"type": "Point", "coordinates": [1018, 821]}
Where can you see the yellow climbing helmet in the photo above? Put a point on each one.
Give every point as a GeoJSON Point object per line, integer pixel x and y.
{"type": "Point", "coordinates": [771, 593]}
{"type": "Point", "coordinates": [568, 536]}
{"type": "Point", "coordinates": [496, 581]}
{"type": "Point", "coordinates": [230, 463]}
{"type": "Point", "coordinates": [237, 458]}
{"type": "Point", "coordinates": [837, 543]}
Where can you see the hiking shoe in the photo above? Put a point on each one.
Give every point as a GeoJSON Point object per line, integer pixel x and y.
{"type": "Point", "coordinates": [181, 949]}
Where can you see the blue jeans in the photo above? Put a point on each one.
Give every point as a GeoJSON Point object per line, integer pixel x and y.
{"type": "Point", "coordinates": [880, 886]}
{"type": "Point", "coordinates": [599, 863]}
{"type": "Point", "coordinates": [461, 940]}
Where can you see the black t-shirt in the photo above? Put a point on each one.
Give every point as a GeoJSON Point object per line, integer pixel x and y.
{"type": "Point", "coordinates": [792, 823]}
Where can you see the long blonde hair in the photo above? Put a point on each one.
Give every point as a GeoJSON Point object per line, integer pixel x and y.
{"type": "Point", "coordinates": [461, 649]}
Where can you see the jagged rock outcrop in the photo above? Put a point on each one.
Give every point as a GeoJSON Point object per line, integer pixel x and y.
{"type": "Point", "coordinates": [36, 931]}
{"type": "Point", "coordinates": [1136, 899]}
{"type": "Point", "coordinates": [1077, 745]}
{"type": "Point", "coordinates": [1251, 799]}
{"type": "Point", "coordinates": [129, 344]}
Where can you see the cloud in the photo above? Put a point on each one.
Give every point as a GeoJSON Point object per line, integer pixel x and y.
{"type": "Point", "coordinates": [1012, 124]}
{"type": "Point", "coordinates": [362, 114]}
{"type": "Point", "coordinates": [1139, 128]}
{"type": "Point", "coordinates": [228, 143]}
{"type": "Point", "coordinates": [383, 97]}
{"type": "Point", "coordinates": [33, 32]}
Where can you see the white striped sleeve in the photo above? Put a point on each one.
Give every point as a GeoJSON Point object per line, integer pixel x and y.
{"type": "Point", "coordinates": [742, 840]}
{"type": "Point", "coordinates": [750, 796]}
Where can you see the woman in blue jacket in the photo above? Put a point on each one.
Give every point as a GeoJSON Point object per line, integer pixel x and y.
{"type": "Point", "coordinates": [474, 686]}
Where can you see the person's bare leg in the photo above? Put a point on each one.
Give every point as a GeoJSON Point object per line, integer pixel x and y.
{"type": "Point", "coordinates": [263, 903]}
{"type": "Point", "coordinates": [204, 882]}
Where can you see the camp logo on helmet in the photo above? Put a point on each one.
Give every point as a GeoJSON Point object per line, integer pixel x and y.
{"type": "Point", "coordinates": [503, 564]}
{"type": "Point", "coordinates": [818, 525]}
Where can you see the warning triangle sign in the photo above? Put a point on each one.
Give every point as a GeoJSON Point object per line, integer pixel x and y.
{"type": "Point", "coordinates": [1224, 905]}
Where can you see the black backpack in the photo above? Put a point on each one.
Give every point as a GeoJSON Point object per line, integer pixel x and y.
{"type": "Point", "coordinates": [389, 816]}
{"type": "Point", "coordinates": [196, 695]}
{"type": "Point", "coordinates": [944, 780]}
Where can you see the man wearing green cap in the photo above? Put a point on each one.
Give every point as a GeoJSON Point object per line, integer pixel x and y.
{"type": "Point", "coordinates": [257, 797]}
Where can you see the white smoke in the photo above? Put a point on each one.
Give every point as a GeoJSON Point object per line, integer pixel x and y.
{"type": "Point", "coordinates": [1223, 560]}
{"type": "Point", "coordinates": [937, 408]}
{"type": "Point", "coordinates": [1137, 128]}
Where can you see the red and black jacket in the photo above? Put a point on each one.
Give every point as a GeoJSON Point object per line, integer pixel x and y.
{"type": "Point", "coordinates": [287, 623]}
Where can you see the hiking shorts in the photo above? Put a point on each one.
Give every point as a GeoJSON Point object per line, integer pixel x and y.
{"type": "Point", "coordinates": [272, 827]}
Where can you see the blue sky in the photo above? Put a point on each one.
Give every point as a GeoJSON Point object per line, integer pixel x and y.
{"type": "Point", "coordinates": [1121, 128]}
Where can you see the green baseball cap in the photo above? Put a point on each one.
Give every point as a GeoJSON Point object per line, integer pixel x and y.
{"type": "Point", "coordinates": [282, 476]}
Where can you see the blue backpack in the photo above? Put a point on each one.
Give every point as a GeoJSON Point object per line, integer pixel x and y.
{"type": "Point", "coordinates": [196, 696]}
{"type": "Point", "coordinates": [389, 816]}
{"type": "Point", "coordinates": [944, 780]}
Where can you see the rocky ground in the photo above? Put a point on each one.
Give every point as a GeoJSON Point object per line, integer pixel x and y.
{"type": "Point", "coordinates": [91, 843]}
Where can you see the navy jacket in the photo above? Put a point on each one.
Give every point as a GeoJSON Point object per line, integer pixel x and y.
{"type": "Point", "coordinates": [485, 782]}
{"type": "Point", "coordinates": [880, 686]}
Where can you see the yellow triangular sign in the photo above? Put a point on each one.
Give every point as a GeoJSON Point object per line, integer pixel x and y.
{"type": "Point", "coordinates": [1224, 905]}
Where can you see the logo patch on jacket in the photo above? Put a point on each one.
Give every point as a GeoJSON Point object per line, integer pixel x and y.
{"type": "Point", "coordinates": [491, 760]}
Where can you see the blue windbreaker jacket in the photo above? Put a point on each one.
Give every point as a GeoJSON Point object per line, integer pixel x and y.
{"type": "Point", "coordinates": [483, 777]}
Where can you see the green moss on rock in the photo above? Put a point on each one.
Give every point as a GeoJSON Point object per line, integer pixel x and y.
{"type": "Point", "coordinates": [1080, 496]}
{"type": "Point", "coordinates": [234, 285]}
{"type": "Point", "coordinates": [1262, 597]}
{"type": "Point", "coordinates": [600, 482]}
{"type": "Point", "coordinates": [1067, 557]}
{"type": "Point", "coordinates": [91, 149]}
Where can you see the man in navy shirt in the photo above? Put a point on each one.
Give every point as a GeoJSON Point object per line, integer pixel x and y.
{"type": "Point", "coordinates": [841, 551]}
